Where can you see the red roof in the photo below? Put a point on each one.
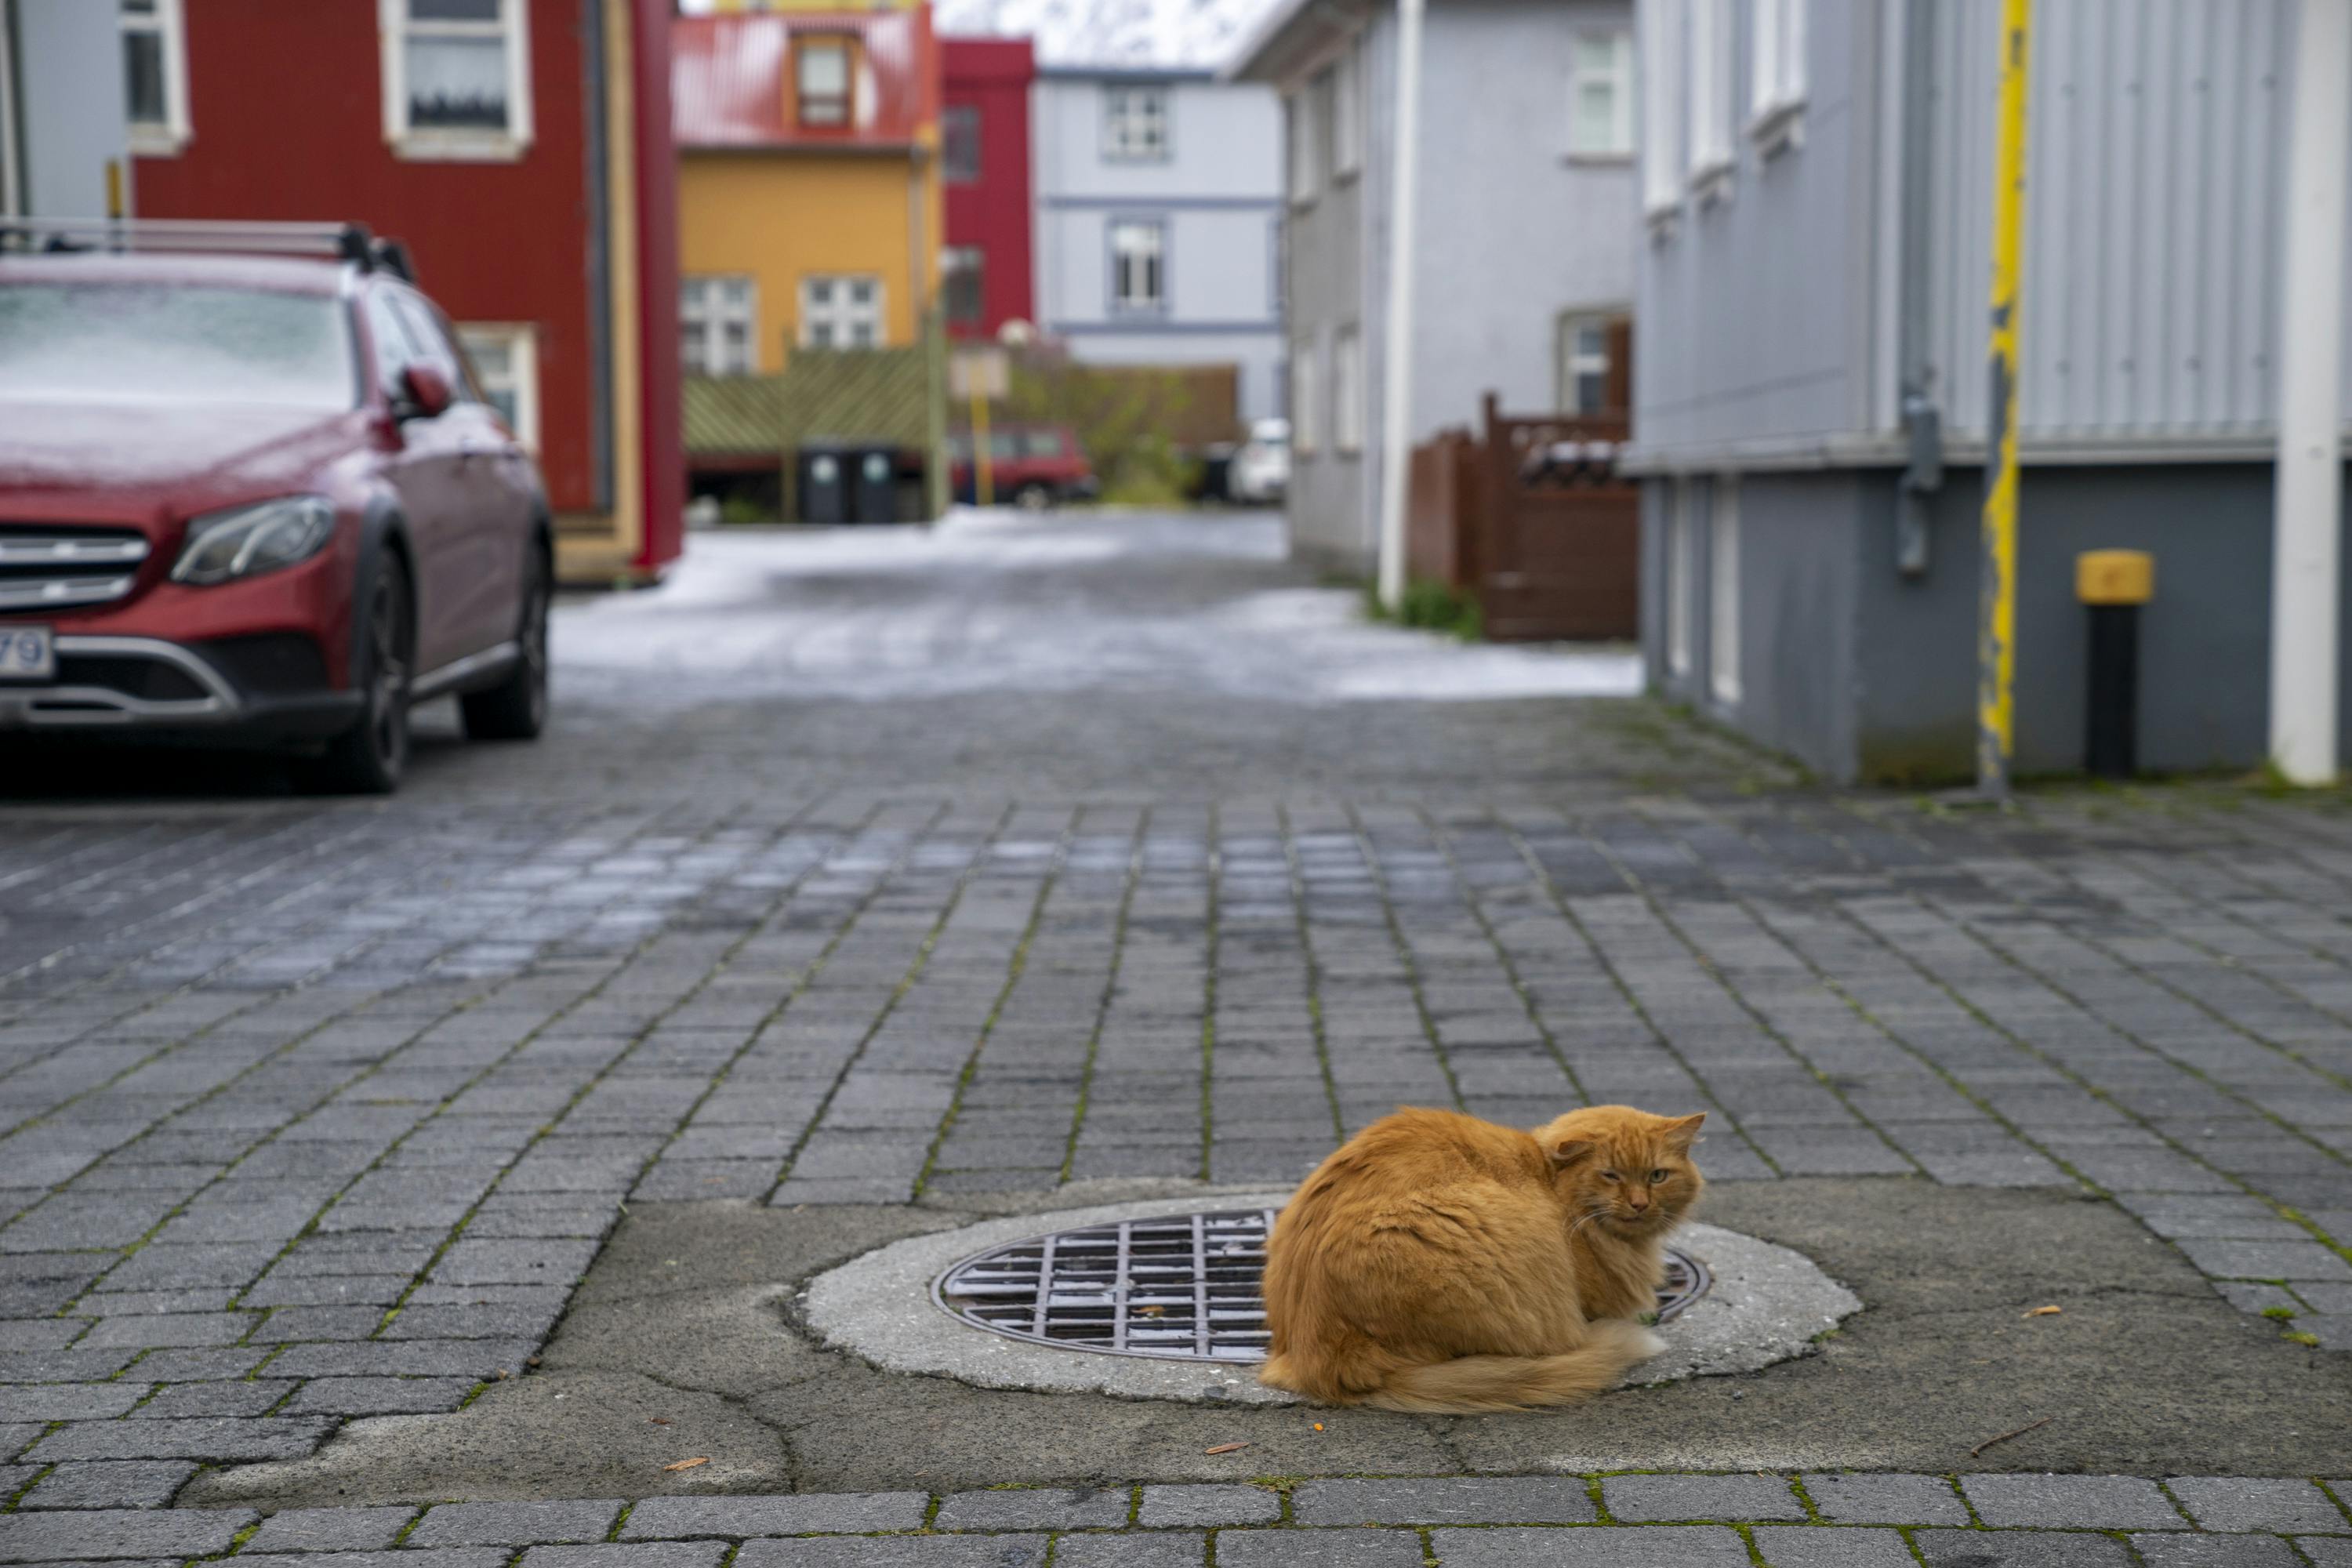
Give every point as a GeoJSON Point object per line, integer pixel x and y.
{"type": "Point", "coordinates": [732, 86]}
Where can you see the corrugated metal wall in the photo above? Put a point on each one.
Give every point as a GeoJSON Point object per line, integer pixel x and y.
{"type": "Point", "coordinates": [2157, 145]}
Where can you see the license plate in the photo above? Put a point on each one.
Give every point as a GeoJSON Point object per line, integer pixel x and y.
{"type": "Point", "coordinates": [27, 652]}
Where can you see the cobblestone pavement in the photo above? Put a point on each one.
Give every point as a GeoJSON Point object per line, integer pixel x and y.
{"type": "Point", "coordinates": [319, 1110]}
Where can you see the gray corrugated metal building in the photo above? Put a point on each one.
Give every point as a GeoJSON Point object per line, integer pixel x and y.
{"type": "Point", "coordinates": [1812, 292]}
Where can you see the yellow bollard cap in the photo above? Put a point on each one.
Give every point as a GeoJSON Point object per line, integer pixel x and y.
{"type": "Point", "coordinates": [2115, 576]}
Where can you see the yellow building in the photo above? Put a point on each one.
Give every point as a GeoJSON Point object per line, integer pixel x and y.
{"type": "Point", "coordinates": [809, 193]}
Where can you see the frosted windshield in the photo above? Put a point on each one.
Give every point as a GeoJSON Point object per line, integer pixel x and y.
{"type": "Point", "coordinates": [178, 343]}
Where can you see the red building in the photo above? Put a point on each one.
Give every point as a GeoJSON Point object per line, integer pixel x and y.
{"type": "Point", "coordinates": [522, 151]}
{"type": "Point", "coordinates": [984, 155]}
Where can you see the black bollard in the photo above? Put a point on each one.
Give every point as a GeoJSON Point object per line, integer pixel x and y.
{"type": "Point", "coordinates": [2114, 584]}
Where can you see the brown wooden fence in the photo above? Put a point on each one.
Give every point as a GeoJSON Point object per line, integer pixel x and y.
{"type": "Point", "coordinates": [1531, 519]}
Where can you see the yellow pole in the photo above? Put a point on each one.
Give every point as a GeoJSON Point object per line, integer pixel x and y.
{"type": "Point", "coordinates": [1997, 619]}
{"type": "Point", "coordinates": [984, 467]}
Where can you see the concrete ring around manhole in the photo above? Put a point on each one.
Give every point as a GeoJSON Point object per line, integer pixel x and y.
{"type": "Point", "coordinates": [1765, 1304]}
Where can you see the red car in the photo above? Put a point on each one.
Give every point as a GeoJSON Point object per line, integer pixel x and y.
{"type": "Point", "coordinates": [259, 500]}
{"type": "Point", "coordinates": [1032, 466]}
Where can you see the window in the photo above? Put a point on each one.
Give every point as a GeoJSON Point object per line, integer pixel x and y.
{"type": "Point", "coordinates": [1584, 362]}
{"type": "Point", "coordinates": [505, 368]}
{"type": "Point", "coordinates": [1723, 591]}
{"type": "Point", "coordinates": [1347, 115]}
{"type": "Point", "coordinates": [1305, 125]}
{"type": "Point", "coordinates": [719, 325]}
{"type": "Point", "coordinates": [841, 313]}
{"type": "Point", "coordinates": [456, 77]}
{"type": "Point", "coordinates": [1135, 123]}
{"type": "Point", "coordinates": [388, 342]}
{"type": "Point", "coordinates": [1660, 54]}
{"type": "Point", "coordinates": [961, 268]}
{"type": "Point", "coordinates": [1305, 395]}
{"type": "Point", "coordinates": [1776, 81]}
{"type": "Point", "coordinates": [960, 143]}
{"type": "Point", "coordinates": [1601, 95]}
{"type": "Point", "coordinates": [1347, 391]}
{"type": "Point", "coordinates": [154, 75]}
{"type": "Point", "coordinates": [1709, 148]}
{"type": "Point", "coordinates": [1139, 265]}
{"type": "Point", "coordinates": [1677, 508]}
{"type": "Point", "coordinates": [821, 81]}
{"type": "Point", "coordinates": [431, 340]}
{"type": "Point", "coordinates": [1278, 267]}
{"type": "Point", "coordinates": [1044, 444]}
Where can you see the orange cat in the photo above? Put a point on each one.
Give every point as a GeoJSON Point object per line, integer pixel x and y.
{"type": "Point", "coordinates": [1439, 1262]}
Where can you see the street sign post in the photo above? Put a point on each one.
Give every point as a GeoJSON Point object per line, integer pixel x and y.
{"type": "Point", "coordinates": [1997, 604]}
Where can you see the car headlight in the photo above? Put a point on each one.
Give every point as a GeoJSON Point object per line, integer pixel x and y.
{"type": "Point", "coordinates": [250, 539]}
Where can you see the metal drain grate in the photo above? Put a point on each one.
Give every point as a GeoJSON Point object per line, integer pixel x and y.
{"type": "Point", "coordinates": [1180, 1288]}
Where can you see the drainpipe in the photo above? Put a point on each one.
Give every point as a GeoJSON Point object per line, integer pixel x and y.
{"type": "Point", "coordinates": [1396, 424]}
{"type": "Point", "coordinates": [1922, 420]}
{"type": "Point", "coordinates": [2310, 482]}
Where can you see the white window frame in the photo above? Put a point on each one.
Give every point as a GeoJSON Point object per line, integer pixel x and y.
{"type": "Point", "coordinates": [1710, 146]}
{"type": "Point", "coordinates": [1306, 396]}
{"type": "Point", "coordinates": [1723, 591]}
{"type": "Point", "coordinates": [1572, 363]}
{"type": "Point", "coordinates": [1659, 56]}
{"type": "Point", "coordinates": [1679, 558]}
{"type": "Point", "coordinates": [1138, 122]}
{"type": "Point", "coordinates": [166, 137]}
{"type": "Point", "coordinates": [1618, 76]}
{"type": "Point", "coordinates": [1776, 71]}
{"type": "Point", "coordinates": [844, 316]}
{"type": "Point", "coordinates": [1348, 114]}
{"type": "Point", "coordinates": [1121, 304]}
{"type": "Point", "coordinates": [701, 310]}
{"type": "Point", "coordinates": [470, 145]}
{"type": "Point", "coordinates": [1347, 391]}
{"type": "Point", "coordinates": [1304, 143]}
{"type": "Point", "coordinates": [808, 47]}
{"type": "Point", "coordinates": [520, 340]}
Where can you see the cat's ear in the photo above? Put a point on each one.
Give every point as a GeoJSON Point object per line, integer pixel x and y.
{"type": "Point", "coordinates": [1683, 1132]}
{"type": "Point", "coordinates": [1566, 1151]}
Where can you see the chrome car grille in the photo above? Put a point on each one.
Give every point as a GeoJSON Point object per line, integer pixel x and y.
{"type": "Point", "coordinates": [56, 568]}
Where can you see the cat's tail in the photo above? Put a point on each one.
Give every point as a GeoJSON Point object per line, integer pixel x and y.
{"type": "Point", "coordinates": [1475, 1383]}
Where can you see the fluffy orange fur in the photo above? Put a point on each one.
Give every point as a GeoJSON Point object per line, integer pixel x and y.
{"type": "Point", "coordinates": [1438, 1262]}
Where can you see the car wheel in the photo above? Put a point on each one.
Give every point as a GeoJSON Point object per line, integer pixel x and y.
{"type": "Point", "coordinates": [1032, 498]}
{"type": "Point", "coordinates": [368, 758]}
{"type": "Point", "coordinates": [516, 708]}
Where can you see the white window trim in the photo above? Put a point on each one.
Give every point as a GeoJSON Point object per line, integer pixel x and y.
{"type": "Point", "coordinates": [1348, 114]}
{"type": "Point", "coordinates": [1306, 396]}
{"type": "Point", "coordinates": [1776, 79]}
{"type": "Point", "coordinates": [1304, 146]}
{"type": "Point", "coordinates": [473, 146]}
{"type": "Point", "coordinates": [521, 340]}
{"type": "Point", "coordinates": [1709, 147]}
{"type": "Point", "coordinates": [10, 199]}
{"type": "Point", "coordinates": [1679, 556]}
{"type": "Point", "coordinates": [880, 306]}
{"type": "Point", "coordinates": [1348, 392]}
{"type": "Point", "coordinates": [1570, 366]}
{"type": "Point", "coordinates": [1114, 148]}
{"type": "Point", "coordinates": [707, 322]}
{"type": "Point", "coordinates": [1723, 591]}
{"type": "Point", "coordinates": [1621, 148]}
{"type": "Point", "coordinates": [166, 140]}
{"type": "Point", "coordinates": [1119, 304]}
{"type": "Point", "coordinates": [1658, 57]}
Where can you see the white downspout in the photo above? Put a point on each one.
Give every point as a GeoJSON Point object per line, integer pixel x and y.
{"type": "Point", "coordinates": [2310, 482]}
{"type": "Point", "coordinates": [1396, 379]}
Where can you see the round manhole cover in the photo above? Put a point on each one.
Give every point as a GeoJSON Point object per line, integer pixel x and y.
{"type": "Point", "coordinates": [1179, 1287]}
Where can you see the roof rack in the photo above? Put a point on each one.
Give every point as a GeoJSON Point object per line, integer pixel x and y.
{"type": "Point", "coordinates": [349, 241]}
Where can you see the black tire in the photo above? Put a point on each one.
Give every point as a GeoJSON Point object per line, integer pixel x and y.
{"type": "Point", "coordinates": [368, 758]}
{"type": "Point", "coordinates": [516, 708]}
{"type": "Point", "coordinates": [1033, 497]}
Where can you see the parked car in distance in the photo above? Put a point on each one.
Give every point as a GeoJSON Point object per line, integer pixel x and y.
{"type": "Point", "coordinates": [1260, 474]}
{"type": "Point", "coordinates": [254, 499]}
{"type": "Point", "coordinates": [1030, 465]}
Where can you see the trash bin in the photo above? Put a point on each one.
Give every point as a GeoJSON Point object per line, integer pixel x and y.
{"type": "Point", "coordinates": [874, 484]}
{"type": "Point", "coordinates": [823, 487]}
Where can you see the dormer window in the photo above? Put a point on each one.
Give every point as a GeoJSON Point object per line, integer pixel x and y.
{"type": "Point", "coordinates": [820, 78]}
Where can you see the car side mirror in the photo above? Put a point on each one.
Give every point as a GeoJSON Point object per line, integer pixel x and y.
{"type": "Point", "coordinates": [427, 393]}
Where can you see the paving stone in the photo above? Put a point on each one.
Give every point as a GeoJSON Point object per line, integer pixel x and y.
{"type": "Point", "coordinates": [1318, 1549]}
{"type": "Point", "coordinates": [1659, 1546]}
{"type": "Point", "coordinates": [1811, 1546]}
{"type": "Point", "coordinates": [2072, 1503]}
{"type": "Point", "coordinates": [2326, 1550]}
{"type": "Point", "coordinates": [69, 1402]}
{"type": "Point", "coordinates": [119, 1532]}
{"type": "Point", "coordinates": [1033, 1508]}
{"type": "Point", "coordinates": [640, 1554]}
{"type": "Point", "coordinates": [896, 1551]}
{"type": "Point", "coordinates": [1469, 1499]}
{"type": "Point", "coordinates": [1870, 1499]}
{"type": "Point", "coordinates": [186, 1400]}
{"type": "Point", "coordinates": [273, 1437]}
{"type": "Point", "coordinates": [811, 1513]}
{"type": "Point", "coordinates": [1644, 1498]}
{"type": "Point", "coordinates": [1160, 1548]}
{"type": "Point", "coordinates": [132, 1483]}
{"type": "Point", "coordinates": [433, 1557]}
{"type": "Point", "coordinates": [1210, 1503]}
{"type": "Point", "coordinates": [2214, 1551]}
{"type": "Point", "coordinates": [329, 1530]}
{"type": "Point", "coordinates": [514, 1523]}
{"type": "Point", "coordinates": [2018, 1549]}
{"type": "Point", "coordinates": [2247, 1502]}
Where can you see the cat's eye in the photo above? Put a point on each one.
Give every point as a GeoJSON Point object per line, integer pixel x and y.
{"type": "Point", "coordinates": [1611, 1176]}
{"type": "Point", "coordinates": [1656, 1176]}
